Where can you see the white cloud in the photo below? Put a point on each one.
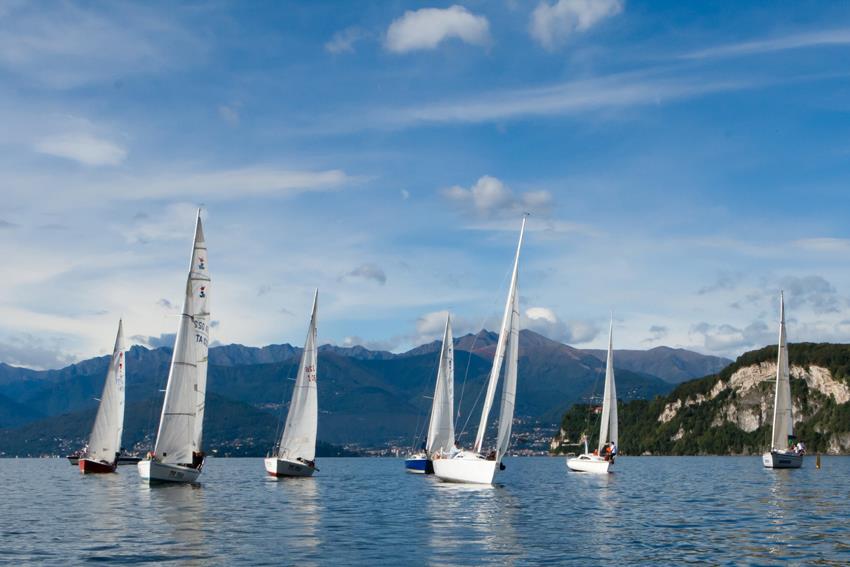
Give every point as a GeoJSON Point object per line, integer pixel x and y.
{"type": "Point", "coordinates": [552, 24]}
{"type": "Point", "coordinates": [428, 27]}
{"type": "Point", "coordinates": [826, 245]}
{"type": "Point", "coordinates": [543, 320]}
{"type": "Point", "coordinates": [432, 324]}
{"type": "Point", "coordinates": [839, 36]}
{"type": "Point", "coordinates": [343, 41]}
{"type": "Point", "coordinates": [83, 148]}
{"type": "Point", "coordinates": [490, 197]}
{"type": "Point", "coordinates": [726, 339]}
{"type": "Point", "coordinates": [173, 222]}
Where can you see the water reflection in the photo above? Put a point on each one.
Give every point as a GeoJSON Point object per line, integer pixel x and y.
{"type": "Point", "coordinates": [471, 524]}
{"type": "Point", "coordinates": [178, 511]}
{"type": "Point", "coordinates": [298, 515]}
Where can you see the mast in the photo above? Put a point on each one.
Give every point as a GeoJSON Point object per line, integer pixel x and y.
{"type": "Point", "coordinates": [608, 427]}
{"type": "Point", "coordinates": [299, 433]}
{"type": "Point", "coordinates": [105, 439]}
{"type": "Point", "coordinates": [199, 277]}
{"type": "Point", "coordinates": [441, 429]}
{"type": "Point", "coordinates": [500, 347]}
{"type": "Point", "coordinates": [783, 422]}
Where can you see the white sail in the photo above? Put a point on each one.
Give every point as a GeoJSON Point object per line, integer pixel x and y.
{"type": "Point", "coordinates": [506, 415]}
{"type": "Point", "coordinates": [181, 423]}
{"type": "Point", "coordinates": [499, 356]}
{"type": "Point", "coordinates": [608, 427]}
{"type": "Point", "coordinates": [441, 429]}
{"type": "Point", "coordinates": [199, 278]}
{"type": "Point", "coordinates": [783, 422]}
{"type": "Point", "coordinates": [105, 439]}
{"type": "Point", "coordinates": [299, 434]}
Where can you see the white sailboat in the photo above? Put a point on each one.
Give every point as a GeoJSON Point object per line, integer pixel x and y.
{"type": "Point", "coordinates": [474, 466]}
{"type": "Point", "coordinates": [296, 454]}
{"type": "Point", "coordinates": [783, 454]}
{"type": "Point", "coordinates": [177, 455]}
{"type": "Point", "coordinates": [599, 461]}
{"type": "Point", "coordinates": [441, 429]}
{"type": "Point", "coordinates": [101, 453]}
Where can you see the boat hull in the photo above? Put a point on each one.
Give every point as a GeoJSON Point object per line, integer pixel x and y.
{"type": "Point", "coordinates": [284, 467]}
{"type": "Point", "coordinates": [782, 460]}
{"type": "Point", "coordinates": [590, 464]}
{"type": "Point", "coordinates": [153, 471]}
{"type": "Point", "coordinates": [466, 468]}
{"type": "Point", "coordinates": [74, 460]}
{"type": "Point", "coordinates": [90, 466]}
{"type": "Point", "coordinates": [419, 465]}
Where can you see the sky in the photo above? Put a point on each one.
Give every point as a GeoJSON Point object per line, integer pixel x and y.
{"type": "Point", "coordinates": [682, 162]}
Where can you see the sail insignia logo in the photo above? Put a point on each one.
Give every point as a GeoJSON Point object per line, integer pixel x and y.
{"type": "Point", "coordinates": [203, 291]}
{"type": "Point", "coordinates": [201, 264]}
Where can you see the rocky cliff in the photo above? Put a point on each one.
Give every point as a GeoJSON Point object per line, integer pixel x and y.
{"type": "Point", "coordinates": [731, 412]}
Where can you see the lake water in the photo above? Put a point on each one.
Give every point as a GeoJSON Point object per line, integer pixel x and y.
{"type": "Point", "coordinates": [719, 510]}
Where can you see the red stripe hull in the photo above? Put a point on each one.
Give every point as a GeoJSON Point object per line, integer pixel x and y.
{"type": "Point", "coordinates": [87, 466]}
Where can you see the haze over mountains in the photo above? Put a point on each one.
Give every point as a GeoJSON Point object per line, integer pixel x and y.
{"type": "Point", "coordinates": [366, 398]}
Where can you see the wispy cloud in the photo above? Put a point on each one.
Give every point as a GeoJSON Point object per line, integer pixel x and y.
{"type": "Point", "coordinates": [343, 41]}
{"type": "Point", "coordinates": [82, 148]}
{"type": "Point", "coordinates": [568, 98]}
{"type": "Point", "coordinates": [429, 27]}
{"type": "Point", "coordinates": [543, 320]}
{"type": "Point", "coordinates": [552, 24]}
{"type": "Point", "coordinates": [840, 36]}
{"type": "Point", "coordinates": [368, 272]}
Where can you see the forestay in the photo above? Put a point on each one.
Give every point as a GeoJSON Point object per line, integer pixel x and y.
{"type": "Point", "coordinates": [608, 427]}
{"type": "Point", "coordinates": [441, 429]}
{"type": "Point", "coordinates": [299, 434]}
{"type": "Point", "coordinates": [499, 356]}
{"type": "Point", "coordinates": [783, 423]}
{"type": "Point", "coordinates": [105, 438]}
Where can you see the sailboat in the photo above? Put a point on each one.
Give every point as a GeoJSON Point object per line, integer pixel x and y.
{"type": "Point", "coordinates": [296, 452]}
{"type": "Point", "coordinates": [783, 453]}
{"type": "Point", "coordinates": [474, 466]}
{"type": "Point", "coordinates": [104, 447]}
{"type": "Point", "coordinates": [177, 455]}
{"type": "Point", "coordinates": [441, 428]}
{"type": "Point", "coordinates": [598, 461]}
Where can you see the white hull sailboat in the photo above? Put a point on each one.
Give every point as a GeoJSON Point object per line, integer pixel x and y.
{"type": "Point", "coordinates": [473, 466]}
{"type": "Point", "coordinates": [783, 454]}
{"type": "Point", "coordinates": [104, 447]}
{"type": "Point", "coordinates": [296, 452]}
{"type": "Point", "coordinates": [441, 429]}
{"type": "Point", "coordinates": [178, 454]}
{"type": "Point", "coordinates": [599, 462]}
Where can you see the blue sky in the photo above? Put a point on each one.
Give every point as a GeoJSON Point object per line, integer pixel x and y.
{"type": "Point", "coordinates": [682, 161]}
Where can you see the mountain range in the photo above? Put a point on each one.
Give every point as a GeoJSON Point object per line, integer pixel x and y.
{"type": "Point", "coordinates": [366, 398]}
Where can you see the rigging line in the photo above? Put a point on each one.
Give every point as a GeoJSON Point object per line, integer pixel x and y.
{"type": "Point", "coordinates": [417, 432]}
{"type": "Point", "coordinates": [469, 362]}
{"type": "Point", "coordinates": [278, 432]}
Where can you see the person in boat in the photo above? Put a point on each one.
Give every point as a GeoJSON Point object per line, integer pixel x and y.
{"type": "Point", "coordinates": [311, 464]}
{"type": "Point", "coordinates": [800, 448]}
{"type": "Point", "coordinates": [492, 455]}
{"type": "Point", "coordinates": [198, 459]}
{"type": "Point", "coordinates": [613, 449]}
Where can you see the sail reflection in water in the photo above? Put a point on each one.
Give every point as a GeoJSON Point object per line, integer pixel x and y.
{"type": "Point", "coordinates": [182, 524]}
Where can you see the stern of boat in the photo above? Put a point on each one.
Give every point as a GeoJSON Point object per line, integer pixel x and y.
{"type": "Point", "coordinates": [154, 471]}
{"type": "Point", "coordinates": [782, 460]}
{"type": "Point", "coordinates": [590, 464]}
{"type": "Point", "coordinates": [283, 467]}
{"type": "Point", "coordinates": [467, 468]}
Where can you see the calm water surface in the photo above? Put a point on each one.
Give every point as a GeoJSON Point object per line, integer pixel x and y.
{"type": "Point", "coordinates": [716, 510]}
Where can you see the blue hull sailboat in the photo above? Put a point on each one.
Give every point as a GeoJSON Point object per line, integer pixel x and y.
{"type": "Point", "coordinates": [441, 429]}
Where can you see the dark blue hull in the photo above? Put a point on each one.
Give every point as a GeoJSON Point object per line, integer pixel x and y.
{"type": "Point", "coordinates": [421, 466]}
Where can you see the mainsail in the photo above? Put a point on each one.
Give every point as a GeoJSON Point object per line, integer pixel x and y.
{"type": "Point", "coordinates": [499, 356]}
{"type": "Point", "coordinates": [441, 430]}
{"type": "Point", "coordinates": [783, 422]}
{"type": "Point", "coordinates": [105, 439]}
{"type": "Point", "coordinates": [506, 415]}
{"type": "Point", "coordinates": [181, 423]}
{"type": "Point", "coordinates": [608, 427]}
{"type": "Point", "coordinates": [299, 434]}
